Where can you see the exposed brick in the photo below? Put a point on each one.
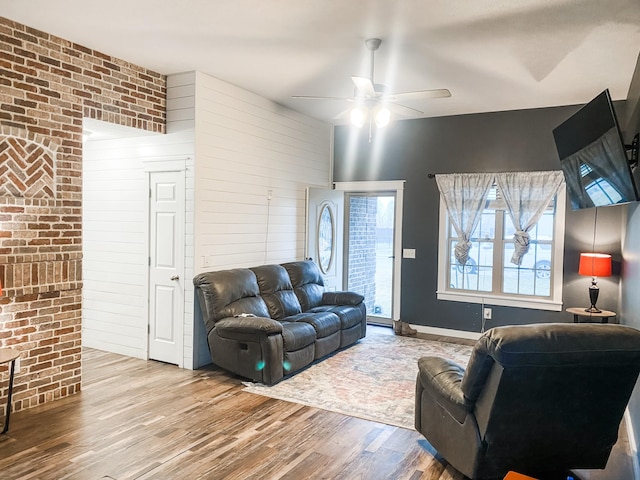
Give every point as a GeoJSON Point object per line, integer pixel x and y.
{"type": "Point", "coordinates": [48, 85]}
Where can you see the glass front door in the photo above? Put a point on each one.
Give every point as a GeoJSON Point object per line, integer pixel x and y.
{"type": "Point", "coordinates": [370, 251]}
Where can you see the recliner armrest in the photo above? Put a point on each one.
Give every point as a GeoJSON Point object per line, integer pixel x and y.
{"type": "Point", "coordinates": [342, 298]}
{"type": "Point", "coordinates": [248, 325]}
{"type": "Point", "coordinates": [442, 377]}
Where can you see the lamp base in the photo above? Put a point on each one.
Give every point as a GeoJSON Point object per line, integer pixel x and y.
{"type": "Point", "coordinates": [593, 309]}
{"type": "Point", "coordinates": [593, 297]}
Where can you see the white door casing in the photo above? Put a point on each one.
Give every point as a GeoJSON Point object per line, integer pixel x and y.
{"type": "Point", "coordinates": [166, 265]}
{"type": "Point", "coordinates": [396, 186]}
{"type": "Point", "coordinates": [325, 234]}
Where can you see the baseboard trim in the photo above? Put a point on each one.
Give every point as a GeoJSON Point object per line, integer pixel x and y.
{"type": "Point", "coordinates": [446, 332]}
{"type": "Point", "coordinates": [633, 448]}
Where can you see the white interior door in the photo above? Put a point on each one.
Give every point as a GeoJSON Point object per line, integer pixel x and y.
{"type": "Point", "coordinates": [166, 266]}
{"type": "Point", "coordinates": [325, 237]}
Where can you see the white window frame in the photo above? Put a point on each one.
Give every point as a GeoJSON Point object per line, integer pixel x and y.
{"type": "Point", "coordinates": [553, 303]}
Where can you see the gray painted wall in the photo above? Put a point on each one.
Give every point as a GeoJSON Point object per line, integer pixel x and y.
{"type": "Point", "coordinates": [502, 141]}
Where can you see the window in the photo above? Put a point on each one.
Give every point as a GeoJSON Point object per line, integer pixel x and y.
{"type": "Point", "coordinates": [489, 276]}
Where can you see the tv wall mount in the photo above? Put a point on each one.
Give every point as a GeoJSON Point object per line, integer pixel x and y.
{"type": "Point", "coordinates": [633, 148]}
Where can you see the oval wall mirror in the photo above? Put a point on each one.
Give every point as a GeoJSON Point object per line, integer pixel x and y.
{"type": "Point", "coordinates": [325, 239]}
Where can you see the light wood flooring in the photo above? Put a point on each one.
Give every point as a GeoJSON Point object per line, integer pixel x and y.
{"type": "Point", "coordinates": [147, 420]}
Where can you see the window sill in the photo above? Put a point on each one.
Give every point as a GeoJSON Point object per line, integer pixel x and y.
{"type": "Point", "coordinates": [468, 297]}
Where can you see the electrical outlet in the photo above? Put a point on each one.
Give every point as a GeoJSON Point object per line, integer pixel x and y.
{"type": "Point", "coordinates": [269, 194]}
{"type": "Point", "coordinates": [486, 313]}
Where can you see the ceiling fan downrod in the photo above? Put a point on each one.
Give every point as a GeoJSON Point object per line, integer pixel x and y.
{"type": "Point", "coordinates": [372, 44]}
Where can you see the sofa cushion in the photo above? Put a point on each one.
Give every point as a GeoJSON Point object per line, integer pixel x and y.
{"type": "Point", "coordinates": [228, 293]}
{"type": "Point", "coordinates": [348, 315]}
{"type": "Point", "coordinates": [324, 323]}
{"type": "Point", "coordinates": [297, 335]}
{"type": "Point", "coordinates": [307, 282]}
{"type": "Point", "coordinates": [276, 290]}
{"type": "Point", "coordinates": [342, 298]}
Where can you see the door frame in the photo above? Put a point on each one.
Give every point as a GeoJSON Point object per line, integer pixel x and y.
{"type": "Point", "coordinates": [396, 186]}
{"type": "Point", "coordinates": [159, 166]}
{"type": "Point", "coordinates": [321, 198]}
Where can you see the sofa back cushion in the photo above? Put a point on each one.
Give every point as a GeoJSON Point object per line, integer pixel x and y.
{"type": "Point", "coordinates": [307, 282]}
{"type": "Point", "coordinates": [228, 293]}
{"type": "Point", "coordinates": [277, 291]}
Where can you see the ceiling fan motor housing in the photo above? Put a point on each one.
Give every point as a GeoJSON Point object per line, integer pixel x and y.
{"type": "Point", "coordinates": [373, 43]}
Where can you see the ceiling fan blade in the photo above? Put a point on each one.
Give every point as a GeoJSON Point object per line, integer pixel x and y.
{"type": "Point", "coordinates": [343, 114]}
{"type": "Point", "coordinates": [403, 109]}
{"type": "Point", "coordinates": [364, 86]}
{"type": "Point", "coordinates": [418, 95]}
{"type": "Point", "coordinates": [311, 97]}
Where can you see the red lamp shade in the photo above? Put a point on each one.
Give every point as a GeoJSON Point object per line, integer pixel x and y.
{"type": "Point", "coordinates": [595, 264]}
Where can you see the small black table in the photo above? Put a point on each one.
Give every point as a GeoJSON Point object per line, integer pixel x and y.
{"type": "Point", "coordinates": [9, 355]}
{"type": "Point", "coordinates": [601, 317]}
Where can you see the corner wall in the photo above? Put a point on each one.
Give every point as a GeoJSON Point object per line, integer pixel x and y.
{"type": "Point", "coordinates": [254, 160]}
{"type": "Point", "coordinates": [630, 300]}
{"type": "Point", "coordinates": [47, 85]}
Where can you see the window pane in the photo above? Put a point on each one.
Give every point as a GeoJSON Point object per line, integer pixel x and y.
{"type": "Point", "coordinates": [544, 228]}
{"type": "Point", "coordinates": [534, 275]}
{"type": "Point", "coordinates": [510, 280]}
{"type": "Point", "coordinates": [474, 275]}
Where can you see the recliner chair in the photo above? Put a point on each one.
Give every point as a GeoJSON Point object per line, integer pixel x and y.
{"type": "Point", "coordinates": [537, 399]}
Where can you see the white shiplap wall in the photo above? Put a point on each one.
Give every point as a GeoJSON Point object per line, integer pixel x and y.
{"type": "Point", "coordinates": [246, 147]}
{"type": "Point", "coordinates": [115, 197]}
{"type": "Point", "coordinates": [238, 147]}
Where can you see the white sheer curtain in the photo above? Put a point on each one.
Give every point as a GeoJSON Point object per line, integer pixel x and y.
{"type": "Point", "coordinates": [464, 195]}
{"type": "Point", "coordinates": [527, 195]}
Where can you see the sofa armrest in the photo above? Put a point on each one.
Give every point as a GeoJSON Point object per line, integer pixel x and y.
{"type": "Point", "coordinates": [442, 378]}
{"type": "Point", "coordinates": [248, 325]}
{"type": "Point", "coordinates": [341, 298]}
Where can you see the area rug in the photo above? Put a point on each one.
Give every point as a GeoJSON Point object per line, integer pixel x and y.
{"type": "Point", "coordinates": [374, 379]}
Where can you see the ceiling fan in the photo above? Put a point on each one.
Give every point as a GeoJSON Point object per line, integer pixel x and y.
{"type": "Point", "coordinates": [372, 99]}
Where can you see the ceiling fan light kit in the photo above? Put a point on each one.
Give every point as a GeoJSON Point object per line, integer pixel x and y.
{"type": "Point", "coordinates": [380, 114]}
{"type": "Point", "coordinates": [371, 100]}
{"type": "Point", "coordinates": [357, 116]}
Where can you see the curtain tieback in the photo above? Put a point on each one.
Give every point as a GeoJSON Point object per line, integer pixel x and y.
{"type": "Point", "coordinates": [461, 251]}
{"type": "Point", "coordinates": [521, 241]}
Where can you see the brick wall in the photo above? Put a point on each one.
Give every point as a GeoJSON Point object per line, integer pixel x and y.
{"type": "Point", "coordinates": [362, 248]}
{"type": "Point", "coordinates": [47, 86]}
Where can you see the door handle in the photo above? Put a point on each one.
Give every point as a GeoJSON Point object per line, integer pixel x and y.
{"type": "Point", "coordinates": [175, 277]}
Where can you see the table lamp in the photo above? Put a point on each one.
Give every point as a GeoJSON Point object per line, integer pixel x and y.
{"type": "Point", "coordinates": [594, 265]}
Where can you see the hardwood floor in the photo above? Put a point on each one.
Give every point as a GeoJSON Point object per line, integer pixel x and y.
{"type": "Point", "coordinates": [147, 420]}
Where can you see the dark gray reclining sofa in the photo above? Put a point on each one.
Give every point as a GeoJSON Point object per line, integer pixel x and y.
{"type": "Point", "coordinates": [269, 321]}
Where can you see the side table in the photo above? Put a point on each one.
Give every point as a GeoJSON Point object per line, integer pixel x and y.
{"type": "Point", "coordinates": [601, 317]}
{"type": "Point", "coordinates": [9, 355]}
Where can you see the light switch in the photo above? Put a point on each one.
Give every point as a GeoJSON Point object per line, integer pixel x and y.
{"type": "Point", "coordinates": [408, 253]}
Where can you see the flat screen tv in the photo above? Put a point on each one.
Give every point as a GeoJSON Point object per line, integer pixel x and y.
{"type": "Point", "coordinates": [593, 156]}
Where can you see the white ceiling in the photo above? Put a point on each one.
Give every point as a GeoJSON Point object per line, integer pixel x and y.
{"type": "Point", "coordinates": [493, 55]}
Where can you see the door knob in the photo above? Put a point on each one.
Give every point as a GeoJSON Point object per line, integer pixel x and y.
{"type": "Point", "coordinates": [175, 277]}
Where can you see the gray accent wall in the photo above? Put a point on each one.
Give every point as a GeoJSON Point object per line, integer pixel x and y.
{"type": "Point", "coordinates": [504, 141]}
{"type": "Point", "coordinates": [491, 142]}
